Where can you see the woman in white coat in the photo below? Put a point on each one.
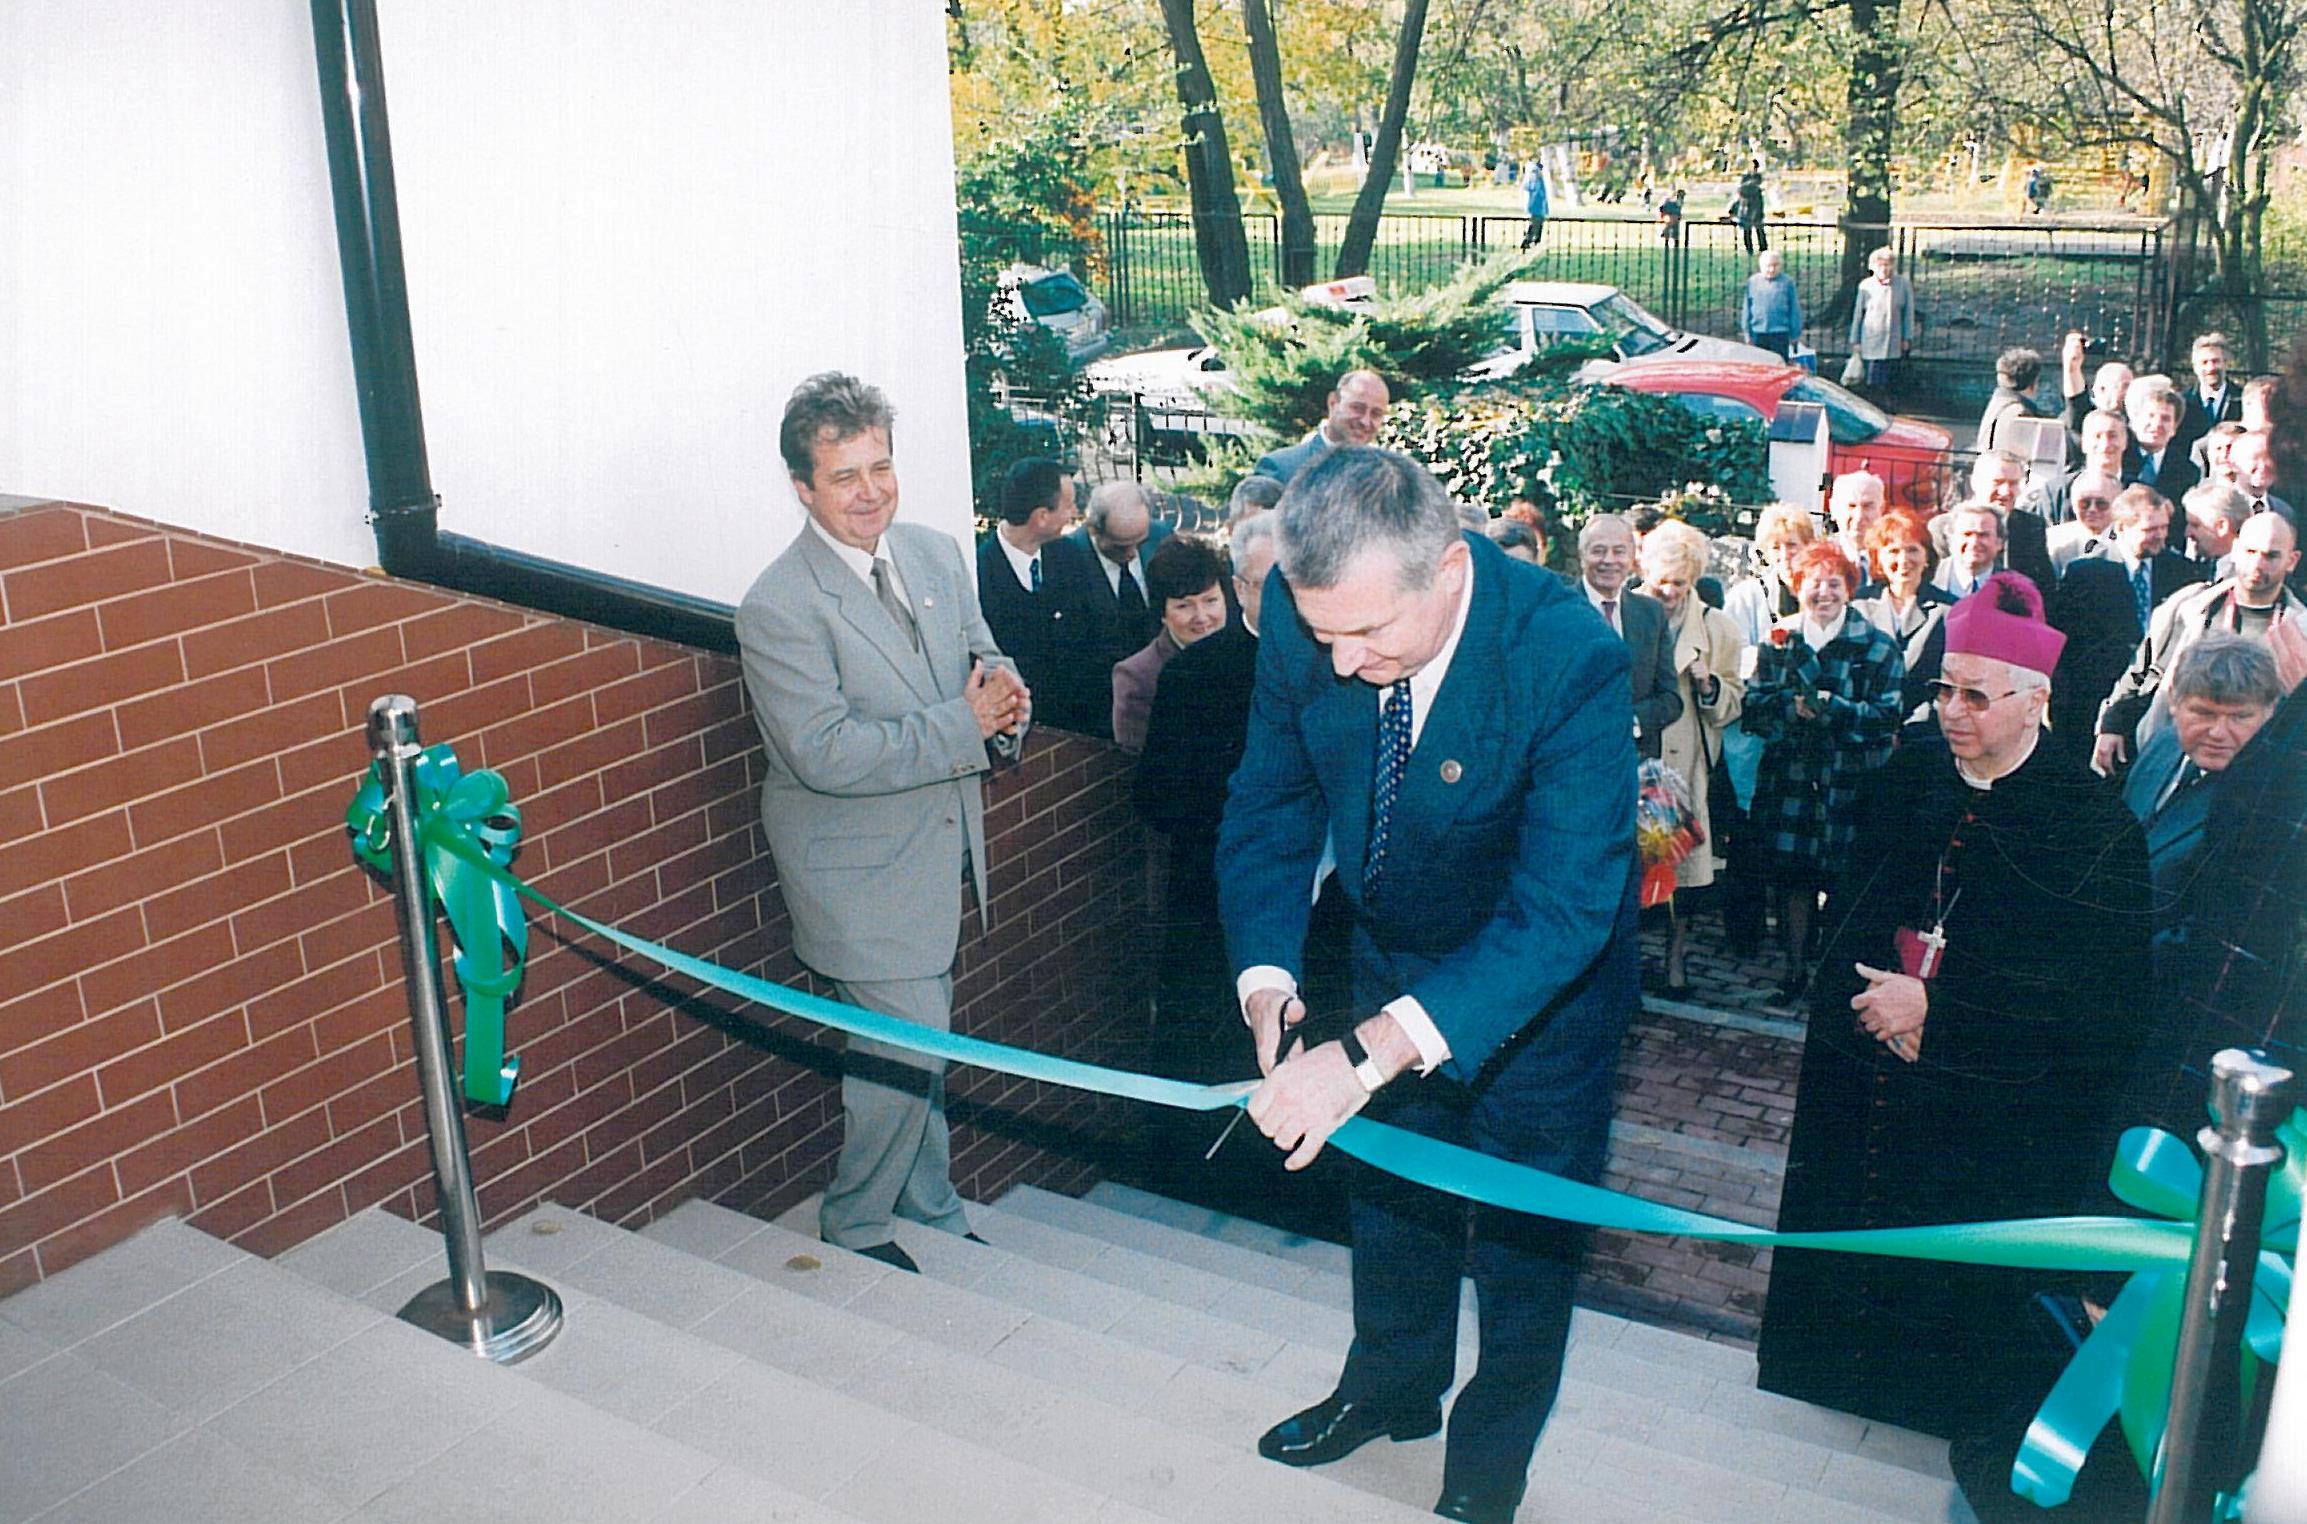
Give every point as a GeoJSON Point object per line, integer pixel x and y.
{"type": "Point", "coordinates": [1707, 647]}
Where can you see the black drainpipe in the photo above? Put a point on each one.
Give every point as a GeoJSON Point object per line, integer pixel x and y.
{"type": "Point", "coordinates": [402, 504]}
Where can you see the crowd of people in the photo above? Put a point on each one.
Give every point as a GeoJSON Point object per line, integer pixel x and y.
{"type": "Point", "coordinates": [2017, 784]}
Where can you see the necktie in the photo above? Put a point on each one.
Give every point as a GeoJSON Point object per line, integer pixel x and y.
{"type": "Point", "coordinates": [1610, 614]}
{"type": "Point", "coordinates": [886, 591]}
{"type": "Point", "coordinates": [2143, 593]}
{"type": "Point", "coordinates": [1036, 574]}
{"type": "Point", "coordinates": [1393, 760]}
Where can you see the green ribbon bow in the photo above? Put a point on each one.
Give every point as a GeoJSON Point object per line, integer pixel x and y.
{"type": "Point", "coordinates": [475, 812]}
{"type": "Point", "coordinates": [2124, 1367]}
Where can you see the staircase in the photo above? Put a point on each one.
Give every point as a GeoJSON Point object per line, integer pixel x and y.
{"type": "Point", "coordinates": [1105, 1360]}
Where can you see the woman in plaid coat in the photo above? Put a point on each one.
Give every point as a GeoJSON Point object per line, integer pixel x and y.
{"type": "Point", "coordinates": [1824, 699]}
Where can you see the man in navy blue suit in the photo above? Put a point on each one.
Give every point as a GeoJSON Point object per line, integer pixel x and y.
{"type": "Point", "coordinates": [1461, 727]}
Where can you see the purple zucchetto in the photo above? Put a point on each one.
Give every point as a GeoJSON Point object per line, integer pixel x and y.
{"type": "Point", "coordinates": [2003, 618]}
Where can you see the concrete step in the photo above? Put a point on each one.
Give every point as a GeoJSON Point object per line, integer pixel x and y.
{"type": "Point", "coordinates": [1665, 1392]}
{"type": "Point", "coordinates": [750, 1376]}
{"type": "Point", "coordinates": [1221, 1406]}
{"type": "Point", "coordinates": [177, 1379]}
{"type": "Point", "coordinates": [1224, 1227]}
{"type": "Point", "coordinates": [971, 1369]}
{"type": "Point", "coordinates": [1624, 1382]}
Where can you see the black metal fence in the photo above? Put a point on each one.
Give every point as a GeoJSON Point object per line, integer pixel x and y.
{"type": "Point", "coordinates": [1979, 288]}
{"type": "Point", "coordinates": [2262, 326]}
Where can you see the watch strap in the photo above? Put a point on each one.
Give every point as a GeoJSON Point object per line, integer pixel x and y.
{"type": "Point", "coordinates": [1365, 1067]}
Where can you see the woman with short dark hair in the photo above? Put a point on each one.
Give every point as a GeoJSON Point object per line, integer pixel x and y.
{"type": "Point", "coordinates": [1185, 581]}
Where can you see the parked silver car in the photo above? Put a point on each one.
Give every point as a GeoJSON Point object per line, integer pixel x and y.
{"type": "Point", "coordinates": [1061, 304]}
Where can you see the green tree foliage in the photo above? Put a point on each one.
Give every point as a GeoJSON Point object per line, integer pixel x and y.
{"type": "Point", "coordinates": [1285, 359]}
{"type": "Point", "coordinates": [1571, 448]}
{"type": "Point", "coordinates": [1576, 450]}
{"type": "Point", "coordinates": [1022, 197]}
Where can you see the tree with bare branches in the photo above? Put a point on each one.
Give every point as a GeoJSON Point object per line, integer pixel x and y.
{"type": "Point", "coordinates": [2205, 84]}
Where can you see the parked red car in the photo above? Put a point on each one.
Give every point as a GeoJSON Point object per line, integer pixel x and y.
{"type": "Point", "coordinates": [1911, 456]}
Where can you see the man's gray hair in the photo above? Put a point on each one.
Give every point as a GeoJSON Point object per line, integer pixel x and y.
{"type": "Point", "coordinates": [1358, 499]}
{"type": "Point", "coordinates": [1603, 520]}
{"type": "Point", "coordinates": [1980, 505]}
{"type": "Point", "coordinates": [1856, 481]}
{"type": "Point", "coordinates": [1105, 497]}
{"type": "Point", "coordinates": [1995, 457]}
{"type": "Point", "coordinates": [2218, 500]}
{"type": "Point", "coordinates": [2144, 390]}
{"type": "Point", "coordinates": [2018, 368]}
{"type": "Point", "coordinates": [1253, 494]}
{"type": "Point", "coordinates": [2223, 668]}
{"type": "Point", "coordinates": [828, 403]}
{"type": "Point", "coordinates": [1249, 534]}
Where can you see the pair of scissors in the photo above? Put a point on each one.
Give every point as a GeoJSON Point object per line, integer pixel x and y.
{"type": "Point", "coordinates": [1293, 1040]}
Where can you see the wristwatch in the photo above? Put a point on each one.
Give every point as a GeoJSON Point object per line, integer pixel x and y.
{"type": "Point", "coordinates": [1365, 1067]}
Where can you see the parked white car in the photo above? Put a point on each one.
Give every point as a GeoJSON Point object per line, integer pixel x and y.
{"type": "Point", "coordinates": [1552, 311]}
{"type": "Point", "coordinates": [1061, 304]}
{"type": "Point", "coordinates": [1164, 401]}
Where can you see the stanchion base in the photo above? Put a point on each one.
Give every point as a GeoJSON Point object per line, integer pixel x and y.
{"type": "Point", "coordinates": [521, 1317]}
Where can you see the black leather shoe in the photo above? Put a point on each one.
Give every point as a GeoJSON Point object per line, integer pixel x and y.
{"type": "Point", "coordinates": [1479, 1507]}
{"type": "Point", "coordinates": [1334, 1428]}
{"type": "Point", "coordinates": [890, 1254]}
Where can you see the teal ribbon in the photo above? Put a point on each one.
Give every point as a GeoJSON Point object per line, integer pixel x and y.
{"type": "Point", "coordinates": [2124, 1367]}
{"type": "Point", "coordinates": [467, 828]}
{"type": "Point", "coordinates": [2057, 1243]}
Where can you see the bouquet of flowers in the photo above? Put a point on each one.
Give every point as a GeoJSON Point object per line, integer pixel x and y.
{"type": "Point", "coordinates": [1666, 828]}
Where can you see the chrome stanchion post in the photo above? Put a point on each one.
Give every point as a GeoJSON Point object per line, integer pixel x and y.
{"type": "Point", "coordinates": [498, 1315]}
{"type": "Point", "coordinates": [2201, 1454]}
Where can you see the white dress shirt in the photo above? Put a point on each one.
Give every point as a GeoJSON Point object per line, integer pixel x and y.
{"type": "Point", "coordinates": [1610, 615]}
{"type": "Point", "coordinates": [861, 562]}
{"type": "Point", "coordinates": [1408, 1013]}
{"type": "Point", "coordinates": [1021, 562]}
{"type": "Point", "coordinates": [1114, 573]}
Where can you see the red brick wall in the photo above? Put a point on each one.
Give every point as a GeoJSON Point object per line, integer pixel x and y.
{"type": "Point", "coordinates": [201, 1011]}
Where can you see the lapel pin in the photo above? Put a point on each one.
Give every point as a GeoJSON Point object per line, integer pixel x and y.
{"type": "Point", "coordinates": [929, 603]}
{"type": "Point", "coordinates": [1451, 771]}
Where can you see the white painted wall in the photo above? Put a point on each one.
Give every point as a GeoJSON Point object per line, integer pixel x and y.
{"type": "Point", "coordinates": [171, 323]}
{"type": "Point", "coordinates": [630, 229]}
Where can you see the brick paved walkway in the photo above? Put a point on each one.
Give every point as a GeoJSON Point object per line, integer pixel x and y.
{"type": "Point", "coordinates": [1705, 1104]}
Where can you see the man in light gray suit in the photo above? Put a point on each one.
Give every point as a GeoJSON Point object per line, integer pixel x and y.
{"type": "Point", "coordinates": [881, 698]}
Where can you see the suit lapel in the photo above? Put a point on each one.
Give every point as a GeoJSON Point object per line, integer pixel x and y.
{"type": "Point", "coordinates": [1341, 728]}
{"type": "Point", "coordinates": [854, 602]}
{"type": "Point", "coordinates": [934, 608]}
